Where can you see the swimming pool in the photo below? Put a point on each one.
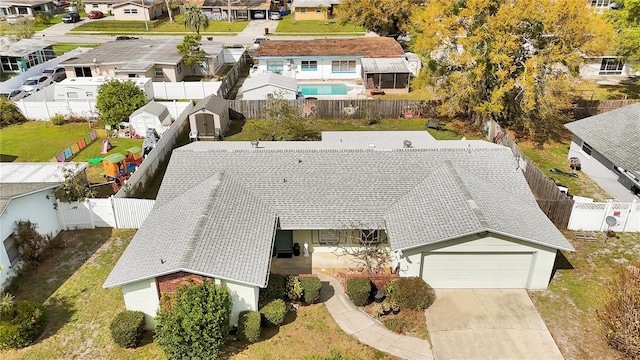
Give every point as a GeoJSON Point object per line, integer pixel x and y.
{"type": "Point", "coordinates": [323, 89]}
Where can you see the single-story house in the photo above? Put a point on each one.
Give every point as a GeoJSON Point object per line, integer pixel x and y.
{"type": "Point", "coordinates": [26, 7]}
{"type": "Point", "coordinates": [209, 119]}
{"type": "Point", "coordinates": [457, 213]}
{"type": "Point", "coordinates": [599, 66]}
{"type": "Point", "coordinates": [608, 147]}
{"type": "Point", "coordinates": [263, 86]}
{"type": "Point", "coordinates": [17, 57]}
{"type": "Point", "coordinates": [240, 10]}
{"type": "Point", "coordinates": [379, 62]}
{"type": "Point", "coordinates": [151, 116]}
{"type": "Point", "coordinates": [157, 59]}
{"type": "Point", "coordinates": [27, 193]}
{"type": "Point", "coordinates": [137, 10]}
{"type": "Point", "coordinates": [313, 9]}
{"type": "Point", "coordinates": [104, 6]}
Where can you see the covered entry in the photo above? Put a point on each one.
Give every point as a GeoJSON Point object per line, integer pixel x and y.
{"type": "Point", "coordinates": [477, 270]}
{"type": "Point", "coordinates": [388, 74]}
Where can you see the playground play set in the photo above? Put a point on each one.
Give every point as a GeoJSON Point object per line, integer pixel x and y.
{"type": "Point", "coordinates": [118, 167]}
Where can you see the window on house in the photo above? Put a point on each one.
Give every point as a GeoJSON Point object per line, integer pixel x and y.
{"type": "Point", "coordinates": [9, 63]}
{"type": "Point", "coordinates": [109, 5]}
{"type": "Point", "coordinates": [302, 10]}
{"type": "Point", "coordinates": [329, 237]}
{"type": "Point", "coordinates": [95, 6]}
{"type": "Point", "coordinates": [309, 65]}
{"type": "Point", "coordinates": [242, 14]}
{"type": "Point", "coordinates": [130, 11]}
{"type": "Point", "coordinates": [158, 72]}
{"type": "Point", "coordinates": [82, 71]}
{"type": "Point", "coordinates": [601, 3]}
{"type": "Point", "coordinates": [179, 68]}
{"type": "Point", "coordinates": [11, 247]}
{"type": "Point", "coordinates": [275, 65]}
{"type": "Point", "coordinates": [318, 10]}
{"type": "Point", "coordinates": [369, 236]}
{"type": "Point", "coordinates": [586, 148]}
{"type": "Point", "coordinates": [72, 95]}
{"type": "Point", "coordinates": [611, 66]}
{"type": "Point", "coordinates": [343, 66]}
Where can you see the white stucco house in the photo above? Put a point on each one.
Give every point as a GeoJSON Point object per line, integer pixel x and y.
{"type": "Point", "coordinates": [27, 193]}
{"type": "Point", "coordinates": [151, 116]}
{"type": "Point", "coordinates": [261, 87]}
{"type": "Point", "coordinates": [456, 213]}
{"type": "Point", "coordinates": [595, 67]}
{"type": "Point", "coordinates": [608, 147]}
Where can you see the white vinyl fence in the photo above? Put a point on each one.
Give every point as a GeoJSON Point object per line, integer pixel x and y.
{"type": "Point", "coordinates": [592, 216]}
{"type": "Point", "coordinates": [185, 90]}
{"type": "Point", "coordinates": [44, 110]}
{"type": "Point", "coordinates": [121, 213]}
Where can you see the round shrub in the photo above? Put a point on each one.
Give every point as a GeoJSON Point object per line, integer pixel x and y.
{"type": "Point", "coordinates": [294, 289]}
{"type": "Point", "coordinates": [358, 290]}
{"type": "Point", "coordinates": [273, 313]}
{"type": "Point", "coordinates": [127, 327]}
{"type": "Point", "coordinates": [311, 289]}
{"type": "Point", "coordinates": [58, 119]}
{"type": "Point", "coordinates": [9, 113]}
{"type": "Point", "coordinates": [275, 289]}
{"type": "Point", "coordinates": [249, 326]}
{"type": "Point", "coordinates": [21, 324]}
{"type": "Point", "coordinates": [411, 293]}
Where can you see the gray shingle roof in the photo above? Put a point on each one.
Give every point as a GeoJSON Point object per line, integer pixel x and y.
{"type": "Point", "coordinates": [153, 108]}
{"type": "Point", "coordinates": [215, 228]}
{"type": "Point", "coordinates": [614, 134]}
{"type": "Point", "coordinates": [9, 191]}
{"type": "Point", "coordinates": [213, 103]}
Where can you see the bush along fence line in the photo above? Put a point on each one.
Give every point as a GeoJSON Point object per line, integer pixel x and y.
{"type": "Point", "coordinates": [72, 150]}
{"type": "Point", "coordinates": [556, 205]}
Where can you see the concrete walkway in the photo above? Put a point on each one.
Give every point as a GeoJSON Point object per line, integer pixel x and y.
{"type": "Point", "coordinates": [361, 326]}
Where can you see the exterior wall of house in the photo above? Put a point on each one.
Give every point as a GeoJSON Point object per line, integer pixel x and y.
{"type": "Point", "coordinates": [592, 68]}
{"type": "Point", "coordinates": [105, 8]}
{"type": "Point", "coordinates": [544, 257]}
{"type": "Point", "coordinates": [143, 296]}
{"type": "Point", "coordinates": [261, 93]}
{"type": "Point", "coordinates": [323, 70]}
{"type": "Point", "coordinates": [37, 208]}
{"type": "Point", "coordinates": [170, 73]}
{"type": "Point", "coordinates": [131, 11]}
{"type": "Point", "coordinates": [301, 13]}
{"type": "Point", "coordinates": [601, 170]}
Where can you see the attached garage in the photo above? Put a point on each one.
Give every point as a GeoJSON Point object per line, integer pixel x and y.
{"type": "Point", "coordinates": [477, 270]}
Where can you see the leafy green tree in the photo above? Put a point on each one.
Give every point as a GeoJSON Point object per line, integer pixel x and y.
{"type": "Point", "coordinates": [195, 18]}
{"type": "Point", "coordinates": [385, 17]}
{"type": "Point", "coordinates": [190, 48]}
{"type": "Point", "coordinates": [116, 100]}
{"type": "Point", "coordinates": [9, 113]}
{"type": "Point", "coordinates": [626, 22]}
{"type": "Point", "coordinates": [512, 61]}
{"type": "Point", "coordinates": [195, 323]}
{"type": "Point", "coordinates": [285, 122]}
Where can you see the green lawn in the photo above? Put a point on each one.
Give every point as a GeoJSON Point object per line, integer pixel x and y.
{"type": "Point", "coordinates": [61, 48]}
{"type": "Point", "coordinates": [289, 25]}
{"type": "Point", "coordinates": [138, 27]}
{"type": "Point", "coordinates": [57, 19]}
{"type": "Point", "coordinates": [18, 141]}
{"type": "Point", "coordinates": [592, 91]}
{"type": "Point", "coordinates": [568, 306]}
{"type": "Point", "coordinates": [69, 283]}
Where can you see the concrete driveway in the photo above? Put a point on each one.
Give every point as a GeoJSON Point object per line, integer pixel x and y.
{"type": "Point", "coordinates": [488, 324]}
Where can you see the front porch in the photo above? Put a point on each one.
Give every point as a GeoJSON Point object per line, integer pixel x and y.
{"type": "Point", "coordinates": [305, 265]}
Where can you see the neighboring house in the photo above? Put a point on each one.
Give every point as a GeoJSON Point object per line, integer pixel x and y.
{"type": "Point", "coordinates": [598, 66]}
{"type": "Point", "coordinates": [379, 62]}
{"type": "Point", "coordinates": [26, 7]}
{"type": "Point", "coordinates": [608, 147]}
{"type": "Point", "coordinates": [137, 10]}
{"type": "Point", "coordinates": [27, 193]}
{"type": "Point", "coordinates": [104, 6]}
{"type": "Point", "coordinates": [457, 213]}
{"type": "Point", "coordinates": [209, 119]}
{"type": "Point", "coordinates": [17, 57]}
{"type": "Point", "coordinates": [268, 85]}
{"type": "Point", "coordinates": [313, 9]}
{"type": "Point", "coordinates": [240, 10]}
{"type": "Point", "coordinates": [151, 116]}
{"type": "Point", "coordinates": [157, 59]}
{"type": "Point", "coordinates": [87, 88]}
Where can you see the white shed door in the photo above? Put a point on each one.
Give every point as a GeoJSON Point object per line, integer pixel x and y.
{"type": "Point", "coordinates": [477, 270]}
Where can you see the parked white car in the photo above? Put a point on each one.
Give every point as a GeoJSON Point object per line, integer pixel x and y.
{"type": "Point", "coordinates": [36, 83]}
{"type": "Point", "coordinates": [14, 95]}
{"type": "Point", "coordinates": [56, 72]}
{"type": "Point", "coordinates": [275, 15]}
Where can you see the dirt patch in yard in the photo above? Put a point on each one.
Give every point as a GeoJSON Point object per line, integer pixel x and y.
{"type": "Point", "coordinates": [568, 306]}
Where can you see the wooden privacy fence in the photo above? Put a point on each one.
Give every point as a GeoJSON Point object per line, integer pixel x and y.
{"type": "Point", "coordinates": [556, 205]}
{"type": "Point", "coordinates": [230, 80]}
{"type": "Point", "coordinates": [336, 109]}
{"type": "Point", "coordinates": [586, 108]}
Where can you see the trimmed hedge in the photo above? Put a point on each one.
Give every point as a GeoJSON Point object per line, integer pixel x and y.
{"type": "Point", "coordinates": [275, 289]}
{"type": "Point", "coordinates": [311, 289]}
{"type": "Point", "coordinates": [273, 313]}
{"type": "Point", "coordinates": [411, 293]}
{"type": "Point", "coordinates": [127, 327]}
{"type": "Point", "coordinates": [358, 290]}
{"type": "Point", "coordinates": [294, 288]}
{"type": "Point", "coordinates": [249, 326]}
{"type": "Point", "coordinates": [21, 324]}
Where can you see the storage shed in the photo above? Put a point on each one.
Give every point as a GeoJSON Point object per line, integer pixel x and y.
{"type": "Point", "coordinates": [262, 86]}
{"type": "Point", "coordinates": [209, 119]}
{"type": "Point", "coordinates": [151, 116]}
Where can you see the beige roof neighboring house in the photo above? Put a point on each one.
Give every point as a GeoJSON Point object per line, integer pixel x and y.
{"type": "Point", "coordinates": [379, 47]}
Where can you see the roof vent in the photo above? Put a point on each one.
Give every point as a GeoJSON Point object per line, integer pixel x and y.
{"type": "Point", "coordinates": [254, 144]}
{"type": "Point", "coordinates": [406, 144]}
{"type": "Point", "coordinates": [371, 146]}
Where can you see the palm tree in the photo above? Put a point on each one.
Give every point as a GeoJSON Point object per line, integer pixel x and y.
{"type": "Point", "coordinates": [195, 18]}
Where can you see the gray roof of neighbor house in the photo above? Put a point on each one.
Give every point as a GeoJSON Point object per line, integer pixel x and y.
{"type": "Point", "coordinates": [615, 134]}
{"type": "Point", "coordinates": [25, 2]}
{"type": "Point", "coordinates": [156, 51]}
{"type": "Point", "coordinates": [318, 185]}
{"type": "Point", "coordinates": [368, 47]}
{"type": "Point", "coordinates": [153, 108]}
{"type": "Point", "coordinates": [22, 47]}
{"type": "Point", "coordinates": [212, 103]}
{"type": "Point", "coordinates": [277, 80]}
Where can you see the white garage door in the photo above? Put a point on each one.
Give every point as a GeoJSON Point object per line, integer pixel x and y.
{"type": "Point", "coordinates": [477, 270]}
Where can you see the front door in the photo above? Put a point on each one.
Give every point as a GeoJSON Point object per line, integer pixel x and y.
{"type": "Point", "coordinates": [284, 243]}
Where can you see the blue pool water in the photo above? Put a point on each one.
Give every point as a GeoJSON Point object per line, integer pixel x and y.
{"type": "Point", "coordinates": [323, 89]}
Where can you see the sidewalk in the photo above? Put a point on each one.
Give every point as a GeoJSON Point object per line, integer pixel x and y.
{"type": "Point", "coordinates": [356, 323]}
